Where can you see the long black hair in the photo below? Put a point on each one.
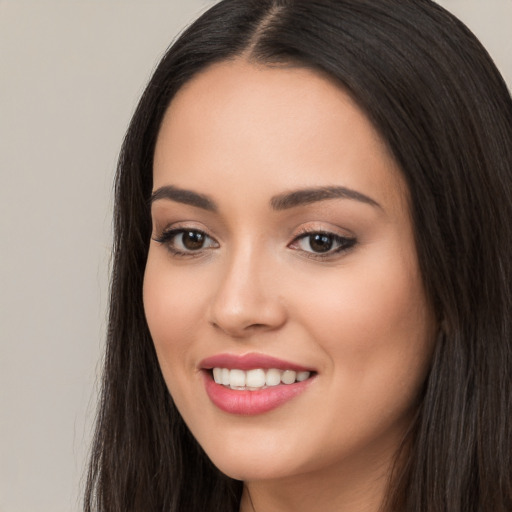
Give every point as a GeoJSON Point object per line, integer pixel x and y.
{"type": "Point", "coordinates": [440, 105]}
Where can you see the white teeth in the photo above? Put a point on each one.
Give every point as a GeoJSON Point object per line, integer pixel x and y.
{"type": "Point", "coordinates": [217, 375]}
{"type": "Point", "coordinates": [237, 378]}
{"type": "Point", "coordinates": [273, 377]}
{"type": "Point", "coordinates": [302, 376]}
{"type": "Point", "coordinates": [257, 378]}
{"type": "Point", "coordinates": [288, 377]}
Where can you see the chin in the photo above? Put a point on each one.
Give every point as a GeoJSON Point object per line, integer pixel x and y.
{"type": "Point", "coordinates": [256, 459]}
{"type": "Point", "coordinates": [251, 470]}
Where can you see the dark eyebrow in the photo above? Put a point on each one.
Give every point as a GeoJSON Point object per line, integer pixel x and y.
{"type": "Point", "coordinates": [312, 195]}
{"type": "Point", "coordinates": [279, 202]}
{"type": "Point", "coordinates": [183, 196]}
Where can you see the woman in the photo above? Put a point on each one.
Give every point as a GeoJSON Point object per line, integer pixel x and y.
{"type": "Point", "coordinates": [311, 296]}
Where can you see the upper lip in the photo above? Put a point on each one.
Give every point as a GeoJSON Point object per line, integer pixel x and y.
{"type": "Point", "coordinates": [249, 361]}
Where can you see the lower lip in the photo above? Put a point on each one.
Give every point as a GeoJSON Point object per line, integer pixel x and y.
{"type": "Point", "coordinates": [250, 403]}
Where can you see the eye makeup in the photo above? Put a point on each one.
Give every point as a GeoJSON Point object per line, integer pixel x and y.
{"type": "Point", "coordinates": [313, 243]}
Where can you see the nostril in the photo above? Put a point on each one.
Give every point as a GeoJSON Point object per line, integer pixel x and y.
{"type": "Point", "coordinates": [240, 329]}
{"type": "Point", "coordinates": [242, 305]}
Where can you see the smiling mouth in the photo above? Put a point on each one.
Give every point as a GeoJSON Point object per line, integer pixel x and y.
{"type": "Point", "coordinates": [253, 384]}
{"type": "Point", "coordinates": [256, 379]}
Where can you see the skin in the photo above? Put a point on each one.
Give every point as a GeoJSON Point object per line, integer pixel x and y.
{"type": "Point", "coordinates": [242, 134]}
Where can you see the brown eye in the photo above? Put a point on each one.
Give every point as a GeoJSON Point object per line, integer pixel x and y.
{"type": "Point", "coordinates": [183, 242]}
{"type": "Point", "coordinates": [321, 242]}
{"type": "Point", "coordinates": [193, 240]}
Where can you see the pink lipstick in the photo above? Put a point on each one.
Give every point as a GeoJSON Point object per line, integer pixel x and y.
{"type": "Point", "coordinates": [253, 383]}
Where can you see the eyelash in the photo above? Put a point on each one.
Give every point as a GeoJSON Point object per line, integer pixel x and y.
{"type": "Point", "coordinates": [167, 238]}
{"type": "Point", "coordinates": [344, 243]}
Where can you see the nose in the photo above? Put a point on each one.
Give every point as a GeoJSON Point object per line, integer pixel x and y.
{"type": "Point", "coordinates": [247, 299]}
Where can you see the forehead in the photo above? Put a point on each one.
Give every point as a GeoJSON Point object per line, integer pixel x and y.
{"type": "Point", "coordinates": [287, 126]}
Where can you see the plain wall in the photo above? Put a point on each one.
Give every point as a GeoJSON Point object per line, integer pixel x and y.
{"type": "Point", "coordinates": [70, 75]}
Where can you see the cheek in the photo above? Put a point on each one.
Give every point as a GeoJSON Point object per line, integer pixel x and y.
{"type": "Point", "coordinates": [376, 331]}
{"type": "Point", "coordinates": [375, 326]}
{"type": "Point", "coordinates": [173, 296]}
{"type": "Point", "coordinates": [362, 316]}
{"type": "Point", "coordinates": [378, 300]}
{"type": "Point", "coordinates": [172, 305]}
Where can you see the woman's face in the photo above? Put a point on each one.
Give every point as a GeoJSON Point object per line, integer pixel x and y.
{"type": "Point", "coordinates": [282, 243]}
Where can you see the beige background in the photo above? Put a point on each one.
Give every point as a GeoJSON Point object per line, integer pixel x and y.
{"type": "Point", "coordinates": [70, 76]}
